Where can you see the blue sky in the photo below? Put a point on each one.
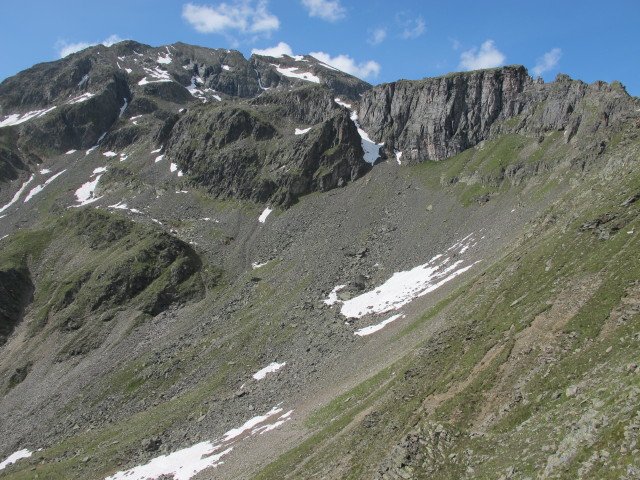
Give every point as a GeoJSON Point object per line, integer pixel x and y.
{"type": "Point", "coordinates": [379, 41]}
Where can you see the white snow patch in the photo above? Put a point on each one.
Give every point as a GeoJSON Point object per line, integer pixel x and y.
{"type": "Point", "coordinates": [405, 286]}
{"type": "Point", "coordinates": [371, 148]}
{"type": "Point", "coordinates": [289, 72]}
{"type": "Point", "coordinates": [249, 424]}
{"type": "Point", "coordinates": [272, 367]}
{"type": "Point", "coordinates": [71, 151]}
{"type": "Point", "coordinates": [183, 464]}
{"type": "Point", "coordinates": [98, 170]}
{"type": "Point", "coordinates": [226, 67]}
{"type": "Point", "coordinates": [333, 295]}
{"type": "Point", "coordinates": [341, 103]}
{"type": "Point", "coordinates": [173, 167]}
{"type": "Point", "coordinates": [180, 174]}
{"type": "Point", "coordinates": [398, 156]}
{"type": "Point", "coordinates": [120, 206]}
{"type": "Point", "coordinates": [260, 81]}
{"type": "Point", "coordinates": [157, 75]}
{"type": "Point", "coordinates": [123, 156]}
{"type": "Point", "coordinates": [110, 154]}
{"type": "Point", "coordinates": [164, 59]}
{"type": "Point", "coordinates": [256, 265]}
{"type": "Point", "coordinates": [128, 70]}
{"type": "Point", "coordinates": [14, 457]}
{"type": "Point", "coordinates": [158, 150]}
{"type": "Point", "coordinates": [124, 107]}
{"type": "Point", "coordinates": [97, 144]}
{"type": "Point", "coordinates": [374, 328]}
{"type": "Point", "coordinates": [265, 213]}
{"type": "Point", "coordinates": [81, 98]}
{"type": "Point", "coordinates": [17, 194]}
{"type": "Point", "coordinates": [302, 131]}
{"type": "Point", "coordinates": [86, 193]}
{"type": "Point", "coordinates": [201, 93]}
{"type": "Point", "coordinates": [17, 118]}
{"type": "Point", "coordinates": [45, 171]}
{"type": "Point", "coordinates": [158, 158]}
{"type": "Point", "coordinates": [36, 190]}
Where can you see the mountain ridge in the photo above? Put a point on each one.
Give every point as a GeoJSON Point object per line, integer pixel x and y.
{"type": "Point", "coordinates": [432, 277]}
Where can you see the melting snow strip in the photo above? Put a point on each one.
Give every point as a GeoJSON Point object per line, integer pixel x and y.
{"type": "Point", "coordinates": [371, 148]}
{"type": "Point", "coordinates": [333, 296]}
{"type": "Point", "coordinates": [265, 213]}
{"type": "Point", "coordinates": [124, 107]}
{"type": "Point", "coordinates": [158, 75]}
{"type": "Point", "coordinates": [70, 152]}
{"type": "Point", "coordinates": [272, 367]}
{"type": "Point", "coordinates": [17, 118]}
{"type": "Point", "coordinates": [405, 286]}
{"type": "Point", "coordinates": [374, 328]}
{"type": "Point", "coordinates": [289, 72]}
{"type": "Point", "coordinates": [184, 464]}
{"type": "Point", "coordinates": [81, 98]}
{"type": "Point", "coordinates": [302, 131]}
{"type": "Point", "coordinates": [37, 189]}
{"type": "Point", "coordinates": [398, 154]}
{"type": "Point", "coordinates": [14, 457]}
{"type": "Point", "coordinates": [17, 194]}
{"type": "Point", "coordinates": [342, 104]}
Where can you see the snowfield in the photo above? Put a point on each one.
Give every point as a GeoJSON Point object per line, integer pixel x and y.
{"type": "Point", "coordinates": [405, 286]}
{"type": "Point", "coordinates": [14, 457]}
{"type": "Point", "coordinates": [271, 368]}
{"type": "Point", "coordinates": [292, 72]}
{"type": "Point", "coordinates": [17, 118]}
{"type": "Point", "coordinates": [186, 463]}
{"type": "Point", "coordinates": [265, 213]}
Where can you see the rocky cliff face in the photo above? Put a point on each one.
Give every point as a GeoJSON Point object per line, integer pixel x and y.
{"type": "Point", "coordinates": [272, 150]}
{"type": "Point", "coordinates": [89, 97]}
{"type": "Point", "coordinates": [436, 118]}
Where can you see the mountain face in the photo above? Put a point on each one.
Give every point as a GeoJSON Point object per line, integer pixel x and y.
{"type": "Point", "coordinates": [219, 267]}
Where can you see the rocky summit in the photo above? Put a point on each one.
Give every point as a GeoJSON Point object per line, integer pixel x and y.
{"type": "Point", "coordinates": [214, 267]}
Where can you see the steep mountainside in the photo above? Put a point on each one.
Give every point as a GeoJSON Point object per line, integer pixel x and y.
{"type": "Point", "coordinates": [219, 267]}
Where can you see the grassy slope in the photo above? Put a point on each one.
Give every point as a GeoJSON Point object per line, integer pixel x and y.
{"type": "Point", "coordinates": [535, 373]}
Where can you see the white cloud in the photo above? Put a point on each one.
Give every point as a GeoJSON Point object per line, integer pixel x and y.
{"type": "Point", "coordinates": [65, 48]}
{"type": "Point", "coordinates": [242, 16]}
{"type": "Point", "coordinates": [329, 10]}
{"type": "Point", "coordinates": [547, 61]}
{"type": "Point", "coordinates": [487, 57]}
{"type": "Point", "coordinates": [412, 26]}
{"type": "Point", "coordinates": [349, 65]}
{"type": "Point", "coordinates": [377, 36]}
{"type": "Point", "coordinates": [277, 51]}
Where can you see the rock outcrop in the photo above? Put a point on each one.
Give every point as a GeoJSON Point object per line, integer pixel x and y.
{"type": "Point", "coordinates": [253, 152]}
{"type": "Point", "coordinates": [436, 118]}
